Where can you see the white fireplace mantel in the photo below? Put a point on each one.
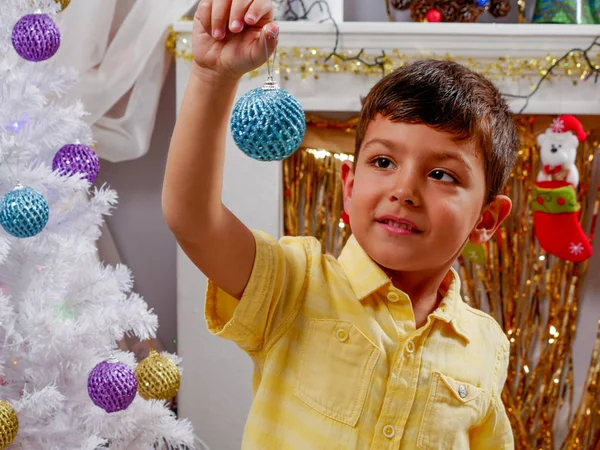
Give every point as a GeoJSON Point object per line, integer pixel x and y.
{"type": "Point", "coordinates": [482, 45]}
{"type": "Point", "coordinates": [215, 392]}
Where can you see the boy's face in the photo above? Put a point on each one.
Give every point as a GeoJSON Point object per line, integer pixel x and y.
{"type": "Point", "coordinates": [416, 196]}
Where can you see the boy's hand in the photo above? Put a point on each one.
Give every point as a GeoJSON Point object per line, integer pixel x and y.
{"type": "Point", "coordinates": [228, 39]}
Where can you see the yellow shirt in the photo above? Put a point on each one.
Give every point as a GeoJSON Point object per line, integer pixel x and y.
{"type": "Point", "coordinates": [339, 363]}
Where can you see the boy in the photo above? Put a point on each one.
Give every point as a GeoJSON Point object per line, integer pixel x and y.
{"type": "Point", "coordinates": [375, 349]}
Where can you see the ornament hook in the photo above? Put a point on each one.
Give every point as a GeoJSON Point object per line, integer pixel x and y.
{"type": "Point", "coordinates": [270, 84]}
{"type": "Point", "coordinates": [36, 7]}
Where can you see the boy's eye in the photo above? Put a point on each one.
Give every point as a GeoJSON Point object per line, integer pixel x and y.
{"type": "Point", "coordinates": [383, 163]}
{"type": "Point", "coordinates": [442, 176]}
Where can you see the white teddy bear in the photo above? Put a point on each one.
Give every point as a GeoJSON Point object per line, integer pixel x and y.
{"type": "Point", "coordinates": [558, 150]}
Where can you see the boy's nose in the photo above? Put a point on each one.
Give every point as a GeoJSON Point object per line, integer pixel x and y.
{"type": "Point", "coordinates": [406, 191]}
{"type": "Point", "coordinates": [408, 198]}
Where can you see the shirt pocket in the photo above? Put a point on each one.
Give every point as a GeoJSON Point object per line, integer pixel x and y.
{"type": "Point", "coordinates": [452, 408]}
{"type": "Point", "coordinates": [335, 369]}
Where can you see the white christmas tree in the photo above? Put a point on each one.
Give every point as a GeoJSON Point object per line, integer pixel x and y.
{"type": "Point", "coordinates": [64, 384]}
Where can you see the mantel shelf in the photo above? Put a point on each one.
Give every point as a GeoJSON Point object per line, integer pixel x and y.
{"type": "Point", "coordinates": [482, 45]}
{"type": "Point", "coordinates": [516, 39]}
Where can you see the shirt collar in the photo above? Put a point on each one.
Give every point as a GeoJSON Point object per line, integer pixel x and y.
{"type": "Point", "coordinates": [366, 277]}
{"type": "Point", "coordinates": [452, 308]}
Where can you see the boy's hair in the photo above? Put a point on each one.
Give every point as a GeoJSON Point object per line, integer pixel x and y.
{"type": "Point", "coordinates": [448, 97]}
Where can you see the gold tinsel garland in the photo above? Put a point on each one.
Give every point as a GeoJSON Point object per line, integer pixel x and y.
{"type": "Point", "coordinates": [310, 62]}
{"type": "Point", "coordinates": [313, 197]}
{"type": "Point", "coordinates": [533, 295]}
{"type": "Point", "coordinates": [313, 190]}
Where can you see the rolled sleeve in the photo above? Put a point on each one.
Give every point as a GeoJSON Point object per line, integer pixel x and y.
{"type": "Point", "coordinates": [271, 298]}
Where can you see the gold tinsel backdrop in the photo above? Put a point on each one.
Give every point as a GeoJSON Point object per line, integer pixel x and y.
{"type": "Point", "coordinates": [533, 295]}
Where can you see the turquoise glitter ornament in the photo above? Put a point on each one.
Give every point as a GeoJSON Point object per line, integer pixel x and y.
{"type": "Point", "coordinates": [268, 123]}
{"type": "Point", "coordinates": [23, 212]}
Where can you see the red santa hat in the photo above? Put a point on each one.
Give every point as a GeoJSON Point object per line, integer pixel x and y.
{"type": "Point", "coordinates": [566, 123]}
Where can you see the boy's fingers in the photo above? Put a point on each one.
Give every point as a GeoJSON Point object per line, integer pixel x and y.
{"type": "Point", "coordinates": [220, 18]}
{"type": "Point", "coordinates": [259, 10]}
{"type": "Point", "coordinates": [203, 14]}
{"type": "Point", "coordinates": [237, 13]}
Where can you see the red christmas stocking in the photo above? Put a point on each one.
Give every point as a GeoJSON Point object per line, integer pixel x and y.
{"type": "Point", "coordinates": [557, 226]}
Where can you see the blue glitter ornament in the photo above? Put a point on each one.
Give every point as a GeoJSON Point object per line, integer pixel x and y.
{"type": "Point", "coordinates": [23, 212]}
{"type": "Point", "coordinates": [268, 123]}
{"type": "Point", "coordinates": [481, 3]}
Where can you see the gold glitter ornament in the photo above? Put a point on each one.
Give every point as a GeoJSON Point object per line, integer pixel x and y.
{"type": "Point", "coordinates": [158, 377]}
{"type": "Point", "coordinates": [63, 4]}
{"type": "Point", "coordinates": [9, 425]}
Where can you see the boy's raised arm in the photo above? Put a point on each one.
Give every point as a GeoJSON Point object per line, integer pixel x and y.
{"type": "Point", "coordinates": [218, 243]}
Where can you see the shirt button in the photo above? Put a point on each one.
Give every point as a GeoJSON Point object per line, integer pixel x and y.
{"type": "Point", "coordinates": [462, 391]}
{"type": "Point", "coordinates": [410, 347]}
{"type": "Point", "coordinates": [341, 335]}
{"type": "Point", "coordinates": [393, 296]}
{"type": "Point", "coordinates": [389, 431]}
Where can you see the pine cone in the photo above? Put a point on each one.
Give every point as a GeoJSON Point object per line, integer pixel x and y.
{"type": "Point", "coordinates": [449, 10]}
{"type": "Point", "coordinates": [469, 12]}
{"type": "Point", "coordinates": [419, 8]}
{"type": "Point", "coordinates": [401, 4]}
{"type": "Point", "coordinates": [499, 8]}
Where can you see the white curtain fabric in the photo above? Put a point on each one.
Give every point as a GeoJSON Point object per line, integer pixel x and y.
{"type": "Point", "coordinates": [118, 46]}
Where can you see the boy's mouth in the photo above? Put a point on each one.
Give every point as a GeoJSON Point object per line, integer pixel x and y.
{"type": "Point", "coordinates": [396, 224]}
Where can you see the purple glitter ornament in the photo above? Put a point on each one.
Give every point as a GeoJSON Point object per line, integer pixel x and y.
{"type": "Point", "coordinates": [77, 158]}
{"type": "Point", "coordinates": [36, 37]}
{"type": "Point", "coordinates": [112, 385]}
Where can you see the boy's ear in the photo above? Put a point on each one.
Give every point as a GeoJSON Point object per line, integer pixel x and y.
{"type": "Point", "coordinates": [491, 217]}
{"type": "Point", "coordinates": [347, 174]}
